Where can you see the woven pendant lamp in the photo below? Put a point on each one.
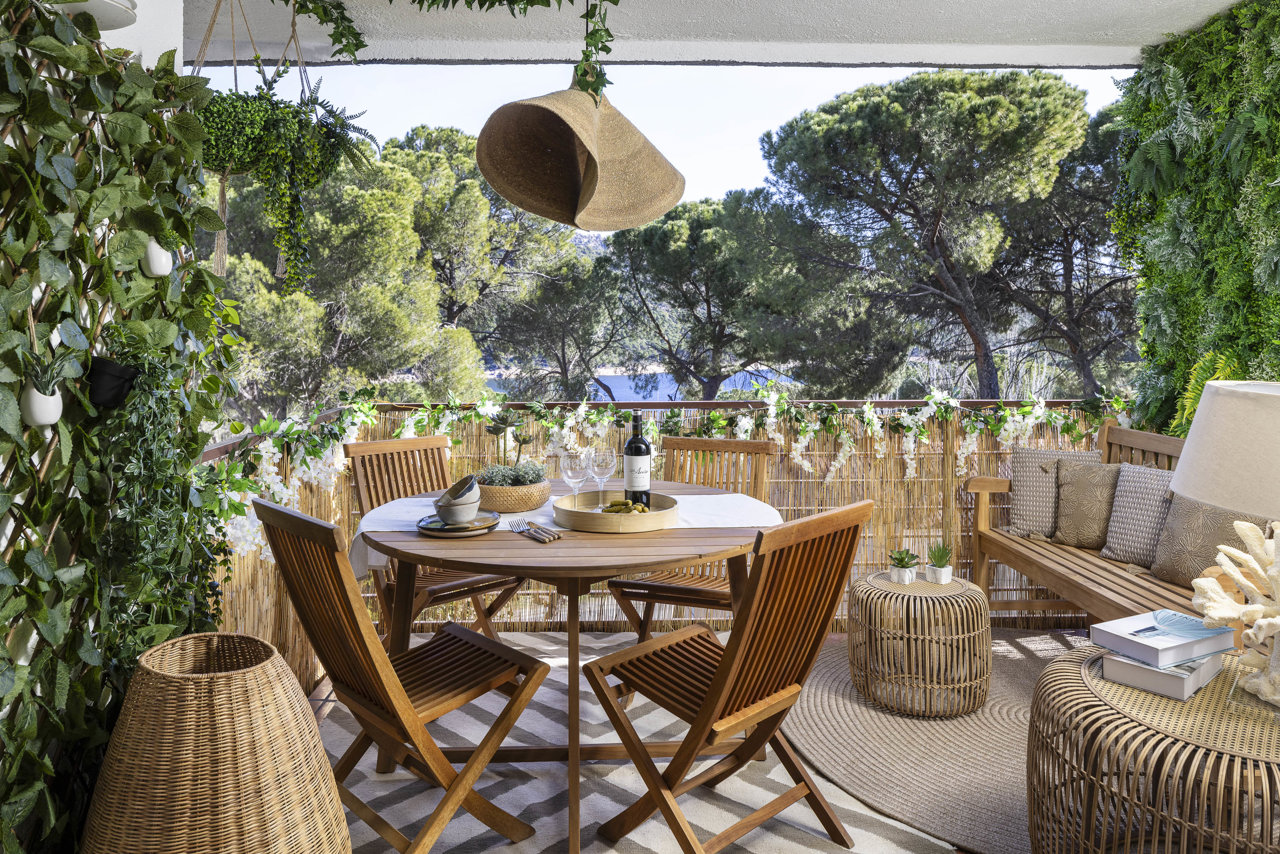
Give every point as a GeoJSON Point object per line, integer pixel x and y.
{"type": "Point", "coordinates": [216, 752]}
{"type": "Point", "coordinates": [566, 158]}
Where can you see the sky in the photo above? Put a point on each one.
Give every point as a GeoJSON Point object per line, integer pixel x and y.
{"type": "Point", "coordinates": [707, 120]}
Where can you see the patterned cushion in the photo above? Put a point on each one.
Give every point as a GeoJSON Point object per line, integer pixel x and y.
{"type": "Point", "coordinates": [1085, 493]}
{"type": "Point", "coordinates": [1191, 536]}
{"type": "Point", "coordinates": [1137, 516]}
{"type": "Point", "coordinates": [1035, 488]}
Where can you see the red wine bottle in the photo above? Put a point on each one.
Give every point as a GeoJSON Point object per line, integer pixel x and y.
{"type": "Point", "coordinates": [636, 464]}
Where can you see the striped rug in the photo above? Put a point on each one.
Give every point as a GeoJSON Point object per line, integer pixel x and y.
{"type": "Point", "coordinates": [536, 792]}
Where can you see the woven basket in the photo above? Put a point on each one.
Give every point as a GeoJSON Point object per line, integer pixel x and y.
{"type": "Point", "coordinates": [514, 499]}
{"type": "Point", "coordinates": [216, 750]}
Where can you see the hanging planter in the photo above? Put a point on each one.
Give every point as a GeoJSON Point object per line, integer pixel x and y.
{"type": "Point", "coordinates": [157, 262]}
{"type": "Point", "coordinates": [109, 382]}
{"type": "Point", "coordinates": [41, 400]}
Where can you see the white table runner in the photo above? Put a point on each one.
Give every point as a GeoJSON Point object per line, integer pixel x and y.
{"type": "Point", "coordinates": [731, 510]}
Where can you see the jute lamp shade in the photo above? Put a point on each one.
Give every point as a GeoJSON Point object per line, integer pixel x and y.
{"type": "Point", "coordinates": [216, 752]}
{"type": "Point", "coordinates": [563, 157]}
{"type": "Point", "coordinates": [1232, 455]}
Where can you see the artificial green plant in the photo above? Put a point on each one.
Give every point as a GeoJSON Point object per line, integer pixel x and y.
{"type": "Point", "coordinates": [111, 542]}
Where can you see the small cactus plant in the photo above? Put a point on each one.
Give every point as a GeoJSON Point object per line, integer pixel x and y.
{"type": "Point", "coordinates": [940, 555]}
{"type": "Point", "coordinates": [904, 559]}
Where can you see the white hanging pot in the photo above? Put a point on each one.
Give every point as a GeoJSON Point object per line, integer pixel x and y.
{"type": "Point", "coordinates": [937, 574]}
{"type": "Point", "coordinates": [40, 410]}
{"type": "Point", "coordinates": [157, 262]}
{"type": "Point", "coordinates": [109, 14]}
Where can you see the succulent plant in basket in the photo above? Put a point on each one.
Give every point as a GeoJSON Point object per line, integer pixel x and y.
{"type": "Point", "coordinates": [902, 566]}
{"type": "Point", "coordinates": [516, 488]}
{"type": "Point", "coordinates": [938, 570]}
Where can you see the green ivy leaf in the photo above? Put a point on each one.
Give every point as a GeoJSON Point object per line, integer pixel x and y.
{"type": "Point", "coordinates": [53, 269]}
{"type": "Point", "coordinates": [38, 564]}
{"type": "Point", "coordinates": [127, 129]}
{"type": "Point", "coordinates": [207, 218]}
{"type": "Point", "coordinates": [71, 334]}
{"type": "Point", "coordinates": [11, 416]}
{"type": "Point", "coordinates": [89, 653]}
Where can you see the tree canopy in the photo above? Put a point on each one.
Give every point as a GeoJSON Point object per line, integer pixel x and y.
{"type": "Point", "coordinates": [916, 175]}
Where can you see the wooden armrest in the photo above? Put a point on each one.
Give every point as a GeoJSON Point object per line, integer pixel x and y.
{"type": "Point", "coordinates": [606, 664]}
{"type": "Point", "coordinates": [987, 484]}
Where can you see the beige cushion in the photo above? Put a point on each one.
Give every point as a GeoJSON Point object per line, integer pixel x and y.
{"type": "Point", "coordinates": [1034, 483]}
{"type": "Point", "coordinates": [1137, 516]}
{"type": "Point", "coordinates": [1085, 493]}
{"type": "Point", "coordinates": [1191, 536]}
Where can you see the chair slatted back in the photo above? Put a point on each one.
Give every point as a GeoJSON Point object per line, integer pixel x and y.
{"type": "Point", "coordinates": [1138, 447]}
{"type": "Point", "coordinates": [738, 465]}
{"type": "Point", "coordinates": [799, 573]}
{"type": "Point", "coordinates": [312, 557]}
{"type": "Point", "coordinates": [398, 468]}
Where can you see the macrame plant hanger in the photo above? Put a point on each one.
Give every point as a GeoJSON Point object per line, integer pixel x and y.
{"type": "Point", "coordinates": [222, 237]}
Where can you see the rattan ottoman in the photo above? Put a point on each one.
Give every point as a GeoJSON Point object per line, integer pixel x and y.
{"type": "Point", "coordinates": [920, 649]}
{"type": "Point", "coordinates": [1113, 768]}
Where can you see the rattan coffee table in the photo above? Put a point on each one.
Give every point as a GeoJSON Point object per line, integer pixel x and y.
{"type": "Point", "coordinates": [1113, 768]}
{"type": "Point", "coordinates": [920, 649]}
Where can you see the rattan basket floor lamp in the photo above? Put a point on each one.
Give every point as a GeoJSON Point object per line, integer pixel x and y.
{"type": "Point", "coordinates": [216, 752]}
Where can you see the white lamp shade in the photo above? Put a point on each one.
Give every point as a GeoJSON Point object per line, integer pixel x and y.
{"type": "Point", "coordinates": [1232, 455]}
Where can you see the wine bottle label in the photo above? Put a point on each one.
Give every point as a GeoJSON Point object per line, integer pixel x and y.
{"type": "Point", "coordinates": [635, 473]}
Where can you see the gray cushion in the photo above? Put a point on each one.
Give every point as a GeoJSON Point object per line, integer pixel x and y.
{"type": "Point", "coordinates": [1085, 494]}
{"type": "Point", "coordinates": [1035, 488]}
{"type": "Point", "coordinates": [1191, 536]}
{"type": "Point", "coordinates": [1137, 515]}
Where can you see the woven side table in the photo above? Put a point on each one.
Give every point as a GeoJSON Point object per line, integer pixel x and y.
{"type": "Point", "coordinates": [920, 649]}
{"type": "Point", "coordinates": [1113, 768]}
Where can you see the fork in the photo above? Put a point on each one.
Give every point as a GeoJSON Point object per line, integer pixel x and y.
{"type": "Point", "coordinates": [520, 526]}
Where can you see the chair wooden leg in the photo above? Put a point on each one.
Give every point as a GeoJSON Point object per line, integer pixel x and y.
{"type": "Point", "coordinates": [982, 572]}
{"type": "Point", "coordinates": [348, 761]}
{"type": "Point", "coordinates": [628, 610]}
{"type": "Point", "coordinates": [647, 623]}
{"type": "Point", "coordinates": [827, 816]}
{"type": "Point", "coordinates": [460, 788]}
{"type": "Point", "coordinates": [484, 616]}
{"type": "Point", "coordinates": [660, 795]}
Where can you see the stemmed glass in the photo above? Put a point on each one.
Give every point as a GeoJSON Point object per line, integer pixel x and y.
{"type": "Point", "coordinates": [603, 461]}
{"type": "Point", "coordinates": [573, 470]}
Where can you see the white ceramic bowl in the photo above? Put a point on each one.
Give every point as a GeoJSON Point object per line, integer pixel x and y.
{"type": "Point", "coordinates": [458, 514]}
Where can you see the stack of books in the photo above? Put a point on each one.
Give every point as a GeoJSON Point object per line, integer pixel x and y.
{"type": "Point", "coordinates": [1163, 652]}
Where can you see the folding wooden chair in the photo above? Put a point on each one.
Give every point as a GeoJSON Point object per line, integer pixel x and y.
{"type": "Point", "coordinates": [798, 576]}
{"type": "Point", "coordinates": [402, 468]}
{"type": "Point", "coordinates": [732, 464]}
{"type": "Point", "coordinates": [392, 698]}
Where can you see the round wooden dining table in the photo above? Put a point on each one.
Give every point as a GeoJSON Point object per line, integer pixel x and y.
{"type": "Point", "coordinates": [571, 564]}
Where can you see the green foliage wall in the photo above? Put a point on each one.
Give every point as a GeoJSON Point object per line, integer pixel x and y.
{"type": "Point", "coordinates": [1202, 218]}
{"type": "Point", "coordinates": [109, 527]}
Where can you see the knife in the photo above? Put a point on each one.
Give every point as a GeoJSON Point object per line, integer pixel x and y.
{"type": "Point", "coordinates": [554, 535]}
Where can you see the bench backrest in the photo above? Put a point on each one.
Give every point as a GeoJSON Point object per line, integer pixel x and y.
{"type": "Point", "coordinates": [1122, 445]}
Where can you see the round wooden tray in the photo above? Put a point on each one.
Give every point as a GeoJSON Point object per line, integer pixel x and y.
{"type": "Point", "coordinates": [582, 515]}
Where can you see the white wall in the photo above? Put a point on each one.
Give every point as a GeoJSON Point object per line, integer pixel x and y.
{"type": "Point", "coordinates": [158, 28]}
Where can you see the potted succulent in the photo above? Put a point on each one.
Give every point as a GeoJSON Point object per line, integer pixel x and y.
{"type": "Point", "coordinates": [41, 400]}
{"type": "Point", "coordinates": [516, 488]}
{"type": "Point", "coordinates": [902, 566]}
{"type": "Point", "coordinates": [938, 570]}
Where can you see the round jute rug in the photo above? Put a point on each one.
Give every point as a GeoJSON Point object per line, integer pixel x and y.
{"type": "Point", "coordinates": [962, 780]}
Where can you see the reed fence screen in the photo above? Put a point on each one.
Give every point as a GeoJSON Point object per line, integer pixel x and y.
{"type": "Point", "coordinates": [912, 513]}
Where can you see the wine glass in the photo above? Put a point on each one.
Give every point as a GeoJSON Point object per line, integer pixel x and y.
{"type": "Point", "coordinates": [603, 461]}
{"type": "Point", "coordinates": [573, 471]}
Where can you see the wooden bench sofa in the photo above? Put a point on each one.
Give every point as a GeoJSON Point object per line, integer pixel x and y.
{"type": "Point", "coordinates": [1106, 589]}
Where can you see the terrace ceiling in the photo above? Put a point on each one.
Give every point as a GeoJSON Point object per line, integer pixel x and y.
{"type": "Point", "coordinates": [1065, 33]}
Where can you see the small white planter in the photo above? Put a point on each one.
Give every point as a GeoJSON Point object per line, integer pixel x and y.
{"type": "Point", "coordinates": [157, 262]}
{"type": "Point", "coordinates": [40, 410]}
{"type": "Point", "coordinates": [937, 574]}
{"type": "Point", "coordinates": [902, 574]}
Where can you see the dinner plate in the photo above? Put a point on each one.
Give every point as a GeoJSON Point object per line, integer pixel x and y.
{"type": "Point", "coordinates": [433, 526]}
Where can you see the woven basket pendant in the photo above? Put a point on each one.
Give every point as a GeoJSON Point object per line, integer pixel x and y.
{"type": "Point", "coordinates": [216, 750]}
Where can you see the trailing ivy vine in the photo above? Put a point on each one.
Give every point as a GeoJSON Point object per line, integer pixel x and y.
{"type": "Point", "coordinates": [112, 538]}
{"type": "Point", "coordinates": [1202, 215]}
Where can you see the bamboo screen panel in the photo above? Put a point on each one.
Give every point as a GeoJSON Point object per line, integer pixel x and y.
{"type": "Point", "coordinates": [909, 513]}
